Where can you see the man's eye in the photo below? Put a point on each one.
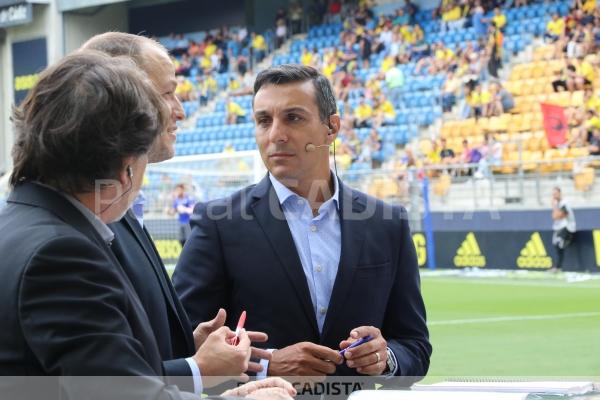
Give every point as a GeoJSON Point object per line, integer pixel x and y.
{"type": "Point", "coordinates": [294, 118]}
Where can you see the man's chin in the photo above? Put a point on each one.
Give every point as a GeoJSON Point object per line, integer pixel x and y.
{"type": "Point", "coordinates": [164, 155]}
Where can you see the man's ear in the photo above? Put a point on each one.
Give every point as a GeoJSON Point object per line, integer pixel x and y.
{"type": "Point", "coordinates": [334, 128]}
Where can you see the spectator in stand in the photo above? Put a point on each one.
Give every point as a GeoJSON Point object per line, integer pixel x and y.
{"type": "Point", "coordinates": [401, 18]}
{"type": "Point", "coordinates": [411, 10]}
{"type": "Point", "coordinates": [335, 8]}
{"type": "Point", "coordinates": [259, 47]}
{"type": "Point", "coordinates": [185, 90]}
{"type": "Point", "coordinates": [222, 61]}
{"type": "Point", "coordinates": [555, 28]}
{"type": "Point", "coordinates": [575, 42]}
{"type": "Point", "coordinates": [280, 32]}
{"type": "Point", "coordinates": [479, 101]}
{"type": "Point", "coordinates": [296, 14]}
{"type": "Point", "coordinates": [208, 89]}
{"type": "Point", "coordinates": [447, 155]}
{"type": "Point", "coordinates": [491, 156]}
{"type": "Point", "coordinates": [363, 114]}
{"type": "Point", "coordinates": [433, 155]}
{"type": "Point", "coordinates": [468, 156]}
{"type": "Point", "coordinates": [384, 111]}
{"type": "Point", "coordinates": [586, 72]}
{"type": "Point", "coordinates": [449, 91]}
{"type": "Point", "coordinates": [494, 49]}
{"type": "Point", "coordinates": [183, 205]}
{"type": "Point", "coordinates": [478, 21]}
{"type": "Point", "coordinates": [242, 64]}
{"type": "Point", "coordinates": [235, 113]}
{"type": "Point", "coordinates": [184, 65]}
{"type": "Point", "coordinates": [567, 78]}
{"type": "Point", "coordinates": [308, 57]}
{"type": "Point", "coordinates": [502, 99]}
{"type": "Point", "coordinates": [234, 85]}
{"type": "Point", "coordinates": [594, 147]}
{"type": "Point", "coordinates": [394, 81]}
{"type": "Point", "coordinates": [452, 17]}
{"type": "Point", "coordinates": [499, 19]}
{"type": "Point", "coordinates": [371, 148]}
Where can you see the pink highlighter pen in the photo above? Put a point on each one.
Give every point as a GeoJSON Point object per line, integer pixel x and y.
{"type": "Point", "coordinates": [238, 329]}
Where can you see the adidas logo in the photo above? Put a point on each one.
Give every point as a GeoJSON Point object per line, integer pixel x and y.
{"type": "Point", "coordinates": [534, 255]}
{"type": "Point", "coordinates": [469, 254]}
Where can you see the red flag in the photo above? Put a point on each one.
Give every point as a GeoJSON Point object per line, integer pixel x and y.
{"type": "Point", "coordinates": [555, 124]}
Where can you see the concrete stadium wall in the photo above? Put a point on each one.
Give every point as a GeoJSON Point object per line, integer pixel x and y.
{"type": "Point", "coordinates": [81, 25]}
{"type": "Point", "coordinates": [46, 23]}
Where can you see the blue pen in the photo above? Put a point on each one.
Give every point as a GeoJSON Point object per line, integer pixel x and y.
{"type": "Point", "coordinates": [357, 343]}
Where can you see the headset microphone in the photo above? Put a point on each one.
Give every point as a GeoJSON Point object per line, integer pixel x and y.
{"type": "Point", "coordinates": [130, 173]}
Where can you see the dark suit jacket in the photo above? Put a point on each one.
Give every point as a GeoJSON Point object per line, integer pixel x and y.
{"type": "Point", "coordinates": [67, 306]}
{"type": "Point", "coordinates": [142, 264]}
{"type": "Point", "coordinates": [241, 256]}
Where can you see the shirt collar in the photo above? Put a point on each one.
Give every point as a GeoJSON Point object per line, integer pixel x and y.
{"type": "Point", "coordinates": [284, 193]}
{"type": "Point", "coordinates": [100, 227]}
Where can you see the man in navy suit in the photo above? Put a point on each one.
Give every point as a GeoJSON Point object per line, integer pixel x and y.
{"type": "Point", "coordinates": [316, 264]}
{"type": "Point", "coordinates": [178, 343]}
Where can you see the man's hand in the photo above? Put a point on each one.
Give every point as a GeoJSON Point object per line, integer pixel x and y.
{"type": "Point", "coordinates": [267, 389]}
{"type": "Point", "coordinates": [216, 357]}
{"type": "Point", "coordinates": [206, 328]}
{"type": "Point", "coordinates": [304, 359]}
{"type": "Point", "coordinates": [364, 357]}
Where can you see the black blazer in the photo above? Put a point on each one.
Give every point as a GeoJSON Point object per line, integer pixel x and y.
{"type": "Point", "coordinates": [142, 264]}
{"type": "Point", "coordinates": [241, 256]}
{"type": "Point", "coordinates": [67, 306]}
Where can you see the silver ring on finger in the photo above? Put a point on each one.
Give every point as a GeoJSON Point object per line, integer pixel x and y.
{"type": "Point", "coordinates": [378, 357]}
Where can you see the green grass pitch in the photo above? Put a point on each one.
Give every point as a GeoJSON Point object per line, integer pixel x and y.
{"type": "Point", "coordinates": [543, 327]}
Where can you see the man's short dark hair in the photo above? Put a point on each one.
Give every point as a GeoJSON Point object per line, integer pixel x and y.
{"type": "Point", "coordinates": [294, 73]}
{"type": "Point", "coordinates": [82, 118]}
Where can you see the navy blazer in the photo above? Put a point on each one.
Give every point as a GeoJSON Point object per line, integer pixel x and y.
{"type": "Point", "coordinates": [241, 256]}
{"type": "Point", "coordinates": [67, 306]}
{"type": "Point", "coordinates": [138, 256]}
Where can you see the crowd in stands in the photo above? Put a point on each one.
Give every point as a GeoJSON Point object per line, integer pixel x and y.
{"type": "Point", "coordinates": [371, 59]}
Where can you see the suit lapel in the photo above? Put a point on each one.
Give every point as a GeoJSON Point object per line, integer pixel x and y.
{"type": "Point", "coordinates": [353, 223]}
{"type": "Point", "coordinates": [271, 218]}
{"type": "Point", "coordinates": [143, 238]}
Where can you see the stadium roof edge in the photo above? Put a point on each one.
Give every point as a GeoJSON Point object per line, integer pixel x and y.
{"type": "Point", "coordinates": [71, 5]}
{"type": "Point", "coordinates": [4, 3]}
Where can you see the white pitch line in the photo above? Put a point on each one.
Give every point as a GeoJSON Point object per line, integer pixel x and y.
{"type": "Point", "coordinates": [509, 319]}
{"type": "Point", "coordinates": [506, 282]}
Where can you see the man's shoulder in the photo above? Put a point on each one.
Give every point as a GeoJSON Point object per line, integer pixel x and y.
{"type": "Point", "coordinates": [379, 209]}
{"type": "Point", "coordinates": [234, 201]}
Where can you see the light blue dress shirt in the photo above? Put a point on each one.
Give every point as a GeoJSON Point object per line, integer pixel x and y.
{"type": "Point", "coordinates": [318, 241]}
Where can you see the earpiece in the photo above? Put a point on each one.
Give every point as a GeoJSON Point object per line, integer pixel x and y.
{"type": "Point", "coordinates": [130, 171]}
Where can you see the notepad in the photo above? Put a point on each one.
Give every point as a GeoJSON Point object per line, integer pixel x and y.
{"type": "Point", "coordinates": [550, 387]}
{"type": "Point", "coordinates": [433, 395]}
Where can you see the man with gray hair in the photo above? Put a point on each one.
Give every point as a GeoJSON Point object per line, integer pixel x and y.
{"type": "Point", "coordinates": [180, 346]}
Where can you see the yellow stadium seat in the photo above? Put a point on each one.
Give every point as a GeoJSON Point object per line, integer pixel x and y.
{"type": "Point", "coordinates": [510, 159]}
{"type": "Point", "coordinates": [584, 180]}
{"type": "Point", "coordinates": [577, 152]}
{"type": "Point", "coordinates": [530, 160]}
